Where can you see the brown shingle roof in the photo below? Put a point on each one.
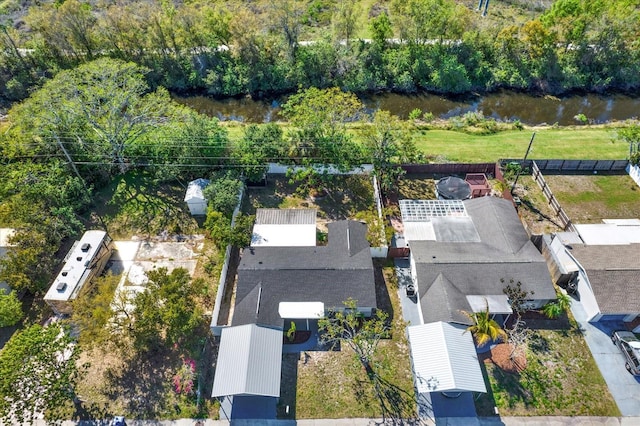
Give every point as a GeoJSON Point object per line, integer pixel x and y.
{"type": "Point", "coordinates": [614, 274]}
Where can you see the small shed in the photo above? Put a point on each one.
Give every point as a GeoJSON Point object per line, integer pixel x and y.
{"type": "Point", "coordinates": [5, 236]}
{"type": "Point", "coordinates": [195, 197]}
{"type": "Point", "coordinates": [479, 184]}
{"type": "Point", "coordinates": [453, 188]}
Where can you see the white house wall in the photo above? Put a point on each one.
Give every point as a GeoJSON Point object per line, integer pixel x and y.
{"type": "Point", "coordinates": [634, 172]}
{"type": "Point", "coordinates": [587, 298]}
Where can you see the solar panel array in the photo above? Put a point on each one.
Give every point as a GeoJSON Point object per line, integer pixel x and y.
{"type": "Point", "coordinates": [423, 210]}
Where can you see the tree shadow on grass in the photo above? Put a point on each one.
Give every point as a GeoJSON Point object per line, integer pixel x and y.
{"type": "Point", "coordinates": [346, 196]}
{"type": "Point", "coordinates": [397, 405]}
{"type": "Point", "coordinates": [533, 209]}
{"type": "Point", "coordinates": [142, 383]}
{"type": "Point", "coordinates": [136, 202]}
{"type": "Point", "coordinates": [485, 403]}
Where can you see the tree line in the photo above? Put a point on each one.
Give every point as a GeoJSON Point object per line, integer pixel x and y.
{"type": "Point", "coordinates": [257, 48]}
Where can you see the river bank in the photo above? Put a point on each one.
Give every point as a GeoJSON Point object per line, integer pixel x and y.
{"type": "Point", "coordinates": [507, 106]}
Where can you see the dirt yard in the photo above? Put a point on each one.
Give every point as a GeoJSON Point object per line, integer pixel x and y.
{"type": "Point", "coordinates": [534, 211]}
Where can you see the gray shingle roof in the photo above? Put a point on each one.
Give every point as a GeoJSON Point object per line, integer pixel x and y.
{"type": "Point", "coordinates": [443, 301]}
{"type": "Point", "coordinates": [458, 269]}
{"type": "Point", "coordinates": [330, 274]}
{"type": "Point", "coordinates": [614, 275]}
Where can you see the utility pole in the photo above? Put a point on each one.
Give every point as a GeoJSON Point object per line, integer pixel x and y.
{"type": "Point", "coordinates": [66, 154]}
{"type": "Point", "coordinates": [523, 160]}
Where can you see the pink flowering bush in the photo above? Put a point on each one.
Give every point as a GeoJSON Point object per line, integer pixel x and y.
{"type": "Point", "coordinates": [183, 379]}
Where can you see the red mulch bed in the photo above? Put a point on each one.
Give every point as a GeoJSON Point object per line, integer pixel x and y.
{"type": "Point", "coordinates": [499, 355]}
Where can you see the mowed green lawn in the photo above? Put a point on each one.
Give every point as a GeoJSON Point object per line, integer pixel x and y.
{"type": "Point", "coordinates": [589, 143]}
{"type": "Point", "coordinates": [565, 143]}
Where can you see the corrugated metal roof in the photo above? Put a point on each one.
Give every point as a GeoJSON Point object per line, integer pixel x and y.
{"type": "Point", "coordinates": [249, 361]}
{"type": "Point", "coordinates": [419, 231]}
{"type": "Point", "coordinates": [445, 359]}
{"type": "Point", "coordinates": [286, 216]}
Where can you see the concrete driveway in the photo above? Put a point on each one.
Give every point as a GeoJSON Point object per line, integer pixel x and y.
{"type": "Point", "coordinates": [624, 387]}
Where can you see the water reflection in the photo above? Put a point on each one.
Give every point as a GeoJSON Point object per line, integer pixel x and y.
{"type": "Point", "coordinates": [506, 106]}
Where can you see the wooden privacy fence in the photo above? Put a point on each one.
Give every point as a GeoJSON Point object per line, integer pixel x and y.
{"type": "Point", "coordinates": [573, 166]}
{"type": "Point", "coordinates": [553, 202]}
{"type": "Point", "coordinates": [452, 168]}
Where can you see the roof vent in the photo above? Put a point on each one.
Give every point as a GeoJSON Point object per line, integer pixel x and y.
{"type": "Point", "coordinates": [85, 247]}
{"type": "Point", "coordinates": [61, 287]}
{"type": "Point", "coordinates": [79, 258]}
{"type": "Point", "coordinates": [65, 273]}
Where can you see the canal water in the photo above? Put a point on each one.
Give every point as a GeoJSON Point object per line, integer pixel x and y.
{"type": "Point", "coordinates": [506, 106]}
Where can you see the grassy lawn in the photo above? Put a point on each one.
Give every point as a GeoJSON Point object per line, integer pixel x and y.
{"type": "Point", "coordinates": [334, 384]}
{"type": "Point", "coordinates": [591, 198]}
{"type": "Point", "coordinates": [561, 378]}
{"type": "Point", "coordinates": [568, 143]}
{"type": "Point", "coordinates": [596, 142]}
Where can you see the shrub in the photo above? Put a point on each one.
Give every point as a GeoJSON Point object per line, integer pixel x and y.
{"type": "Point", "coordinates": [415, 114]}
{"type": "Point", "coordinates": [581, 118]}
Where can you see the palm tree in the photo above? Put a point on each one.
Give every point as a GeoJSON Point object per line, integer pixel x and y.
{"type": "Point", "coordinates": [484, 328]}
{"type": "Point", "coordinates": [557, 307]}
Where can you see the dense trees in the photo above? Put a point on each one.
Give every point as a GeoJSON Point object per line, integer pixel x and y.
{"type": "Point", "coordinates": [10, 308]}
{"type": "Point", "coordinates": [319, 118]}
{"type": "Point", "coordinates": [167, 312]}
{"type": "Point", "coordinates": [38, 374]}
{"type": "Point", "coordinates": [389, 144]}
{"type": "Point", "coordinates": [101, 114]}
{"type": "Point", "coordinates": [40, 201]}
{"type": "Point", "coordinates": [234, 49]}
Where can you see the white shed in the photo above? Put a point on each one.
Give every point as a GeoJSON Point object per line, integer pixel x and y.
{"type": "Point", "coordinates": [5, 235]}
{"type": "Point", "coordinates": [195, 197]}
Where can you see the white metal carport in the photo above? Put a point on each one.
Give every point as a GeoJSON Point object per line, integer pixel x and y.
{"type": "Point", "coordinates": [249, 361]}
{"type": "Point", "coordinates": [444, 359]}
{"type": "Point", "coordinates": [301, 310]}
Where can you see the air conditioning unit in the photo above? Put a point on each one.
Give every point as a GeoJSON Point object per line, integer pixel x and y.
{"type": "Point", "coordinates": [85, 247]}
{"type": "Point", "coordinates": [61, 287]}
